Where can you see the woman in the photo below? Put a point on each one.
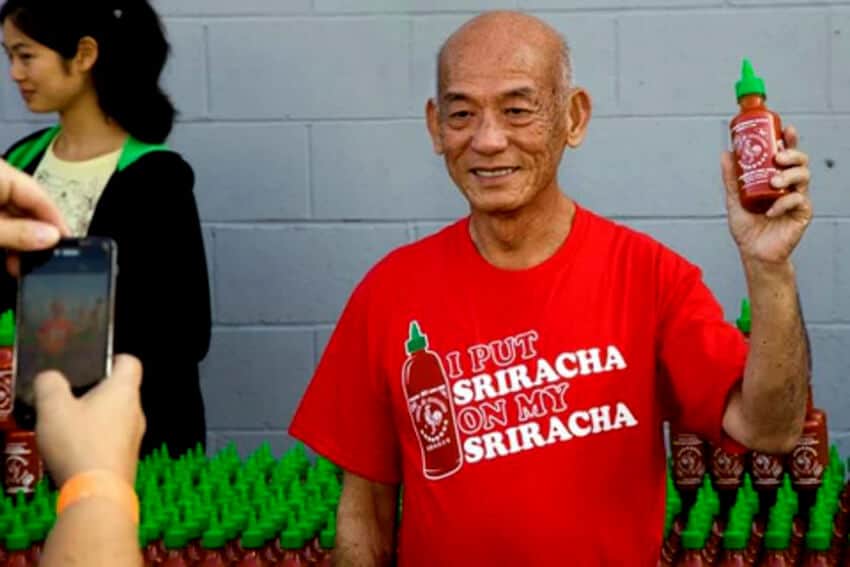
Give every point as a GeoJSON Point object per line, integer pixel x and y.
{"type": "Point", "coordinates": [97, 64]}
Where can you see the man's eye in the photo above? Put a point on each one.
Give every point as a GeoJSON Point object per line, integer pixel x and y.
{"type": "Point", "coordinates": [518, 111]}
{"type": "Point", "coordinates": [460, 114]}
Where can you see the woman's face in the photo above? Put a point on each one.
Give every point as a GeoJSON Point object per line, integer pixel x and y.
{"type": "Point", "coordinates": [47, 82]}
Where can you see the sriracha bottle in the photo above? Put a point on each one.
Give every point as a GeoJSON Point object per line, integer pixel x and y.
{"type": "Point", "coordinates": [756, 139]}
{"type": "Point", "coordinates": [429, 402]}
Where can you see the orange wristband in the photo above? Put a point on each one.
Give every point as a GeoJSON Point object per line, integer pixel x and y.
{"type": "Point", "coordinates": [102, 483]}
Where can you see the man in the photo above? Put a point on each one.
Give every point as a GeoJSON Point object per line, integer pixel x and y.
{"type": "Point", "coordinates": [514, 370]}
{"type": "Point", "coordinates": [92, 441]}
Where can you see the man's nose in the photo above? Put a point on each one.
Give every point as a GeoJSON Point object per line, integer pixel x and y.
{"type": "Point", "coordinates": [490, 136]}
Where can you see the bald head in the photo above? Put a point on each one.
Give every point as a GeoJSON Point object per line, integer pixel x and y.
{"type": "Point", "coordinates": [510, 38]}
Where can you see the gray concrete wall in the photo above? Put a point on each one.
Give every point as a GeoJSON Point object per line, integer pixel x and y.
{"type": "Point", "coordinates": [303, 120]}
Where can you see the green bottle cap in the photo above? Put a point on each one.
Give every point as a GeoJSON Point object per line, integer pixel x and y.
{"type": "Point", "coordinates": [692, 539]}
{"type": "Point", "coordinates": [144, 538]}
{"type": "Point", "coordinates": [818, 540]}
{"type": "Point", "coordinates": [744, 321]}
{"type": "Point", "coordinates": [18, 539]}
{"type": "Point", "coordinates": [292, 538]}
{"type": "Point", "coordinates": [269, 527]}
{"type": "Point", "coordinates": [214, 538]}
{"type": "Point", "coordinates": [7, 329]}
{"type": "Point", "coordinates": [675, 505]}
{"type": "Point", "coordinates": [776, 540]}
{"type": "Point", "coordinates": [734, 539]}
{"type": "Point", "coordinates": [175, 537]}
{"type": "Point", "coordinates": [327, 538]}
{"type": "Point", "coordinates": [152, 531]}
{"type": "Point", "coordinates": [749, 82]}
{"type": "Point", "coordinates": [417, 340]}
{"type": "Point", "coordinates": [253, 538]}
{"type": "Point", "coordinates": [36, 529]}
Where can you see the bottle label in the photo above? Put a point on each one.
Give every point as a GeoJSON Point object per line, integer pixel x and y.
{"type": "Point", "coordinates": [688, 459]}
{"type": "Point", "coordinates": [726, 468]}
{"type": "Point", "coordinates": [21, 468]}
{"type": "Point", "coordinates": [806, 468]}
{"type": "Point", "coordinates": [5, 392]}
{"type": "Point", "coordinates": [755, 144]}
{"type": "Point", "coordinates": [431, 411]}
{"type": "Point", "coordinates": [767, 470]}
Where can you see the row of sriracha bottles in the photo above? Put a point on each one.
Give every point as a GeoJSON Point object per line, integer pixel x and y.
{"type": "Point", "coordinates": [206, 512]}
{"type": "Point", "coordinates": [750, 533]}
{"type": "Point", "coordinates": [223, 512]}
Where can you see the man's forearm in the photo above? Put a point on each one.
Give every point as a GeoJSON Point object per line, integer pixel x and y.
{"type": "Point", "coordinates": [94, 532]}
{"type": "Point", "coordinates": [366, 524]}
{"type": "Point", "coordinates": [774, 390]}
{"type": "Point", "coordinates": [352, 553]}
{"type": "Point", "coordinates": [363, 544]}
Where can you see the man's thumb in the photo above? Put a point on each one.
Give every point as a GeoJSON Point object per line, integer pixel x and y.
{"type": "Point", "coordinates": [50, 387]}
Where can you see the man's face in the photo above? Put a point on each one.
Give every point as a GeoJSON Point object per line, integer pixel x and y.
{"type": "Point", "coordinates": [500, 123]}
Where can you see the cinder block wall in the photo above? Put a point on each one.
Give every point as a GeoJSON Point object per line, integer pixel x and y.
{"type": "Point", "coordinates": [303, 121]}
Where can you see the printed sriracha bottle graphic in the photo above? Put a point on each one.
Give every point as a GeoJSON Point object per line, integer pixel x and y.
{"type": "Point", "coordinates": [429, 402]}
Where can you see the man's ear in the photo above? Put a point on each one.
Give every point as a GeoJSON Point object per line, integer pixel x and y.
{"type": "Point", "coordinates": [579, 108]}
{"type": "Point", "coordinates": [432, 118]}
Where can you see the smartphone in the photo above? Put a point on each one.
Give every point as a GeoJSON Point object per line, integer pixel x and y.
{"type": "Point", "coordinates": [66, 303]}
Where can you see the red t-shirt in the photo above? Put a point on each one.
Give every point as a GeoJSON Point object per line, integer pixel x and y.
{"type": "Point", "coordinates": [538, 396]}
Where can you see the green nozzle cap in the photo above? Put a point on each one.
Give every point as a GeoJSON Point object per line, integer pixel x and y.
{"type": "Point", "coordinates": [417, 340]}
{"type": "Point", "coordinates": [175, 537]}
{"type": "Point", "coordinates": [745, 321]}
{"type": "Point", "coordinates": [776, 540]}
{"type": "Point", "coordinates": [327, 538]}
{"type": "Point", "coordinates": [692, 539]}
{"type": "Point", "coordinates": [254, 537]}
{"type": "Point", "coordinates": [734, 539]}
{"type": "Point", "coordinates": [749, 82]}
{"type": "Point", "coordinates": [818, 540]}
{"type": "Point", "coordinates": [18, 539]}
{"type": "Point", "coordinates": [292, 538]}
{"type": "Point", "coordinates": [214, 538]}
{"type": "Point", "coordinates": [7, 328]}
{"type": "Point", "coordinates": [144, 536]}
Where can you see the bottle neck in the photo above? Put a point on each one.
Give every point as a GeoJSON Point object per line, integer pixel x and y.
{"type": "Point", "coordinates": [810, 404]}
{"type": "Point", "coordinates": [751, 102]}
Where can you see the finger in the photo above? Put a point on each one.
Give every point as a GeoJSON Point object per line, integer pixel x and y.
{"type": "Point", "coordinates": [796, 176]}
{"type": "Point", "coordinates": [792, 157]}
{"type": "Point", "coordinates": [21, 191]}
{"type": "Point", "coordinates": [791, 202]}
{"type": "Point", "coordinates": [727, 170]}
{"type": "Point", "coordinates": [24, 235]}
{"type": "Point", "coordinates": [791, 137]}
{"type": "Point", "coordinates": [127, 370]}
{"type": "Point", "coordinates": [51, 387]}
{"type": "Point", "coordinates": [127, 375]}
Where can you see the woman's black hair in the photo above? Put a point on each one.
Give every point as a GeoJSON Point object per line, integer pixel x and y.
{"type": "Point", "coordinates": [132, 51]}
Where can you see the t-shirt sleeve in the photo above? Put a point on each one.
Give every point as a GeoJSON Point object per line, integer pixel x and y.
{"type": "Point", "coordinates": [345, 413]}
{"type": "Point", "coordinates": [702, 355]}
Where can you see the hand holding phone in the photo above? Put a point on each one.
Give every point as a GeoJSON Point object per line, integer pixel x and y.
{"type": "Point", "coordinates": [66, 300]}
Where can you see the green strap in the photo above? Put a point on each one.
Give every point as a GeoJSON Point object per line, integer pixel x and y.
{"type": "Point", "coordinates": [133, 150]}
{"type": "Point", "coordinates": [23, 155]}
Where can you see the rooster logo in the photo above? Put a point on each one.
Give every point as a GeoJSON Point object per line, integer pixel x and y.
{"type": "Point", "coordinates": [433, 418]}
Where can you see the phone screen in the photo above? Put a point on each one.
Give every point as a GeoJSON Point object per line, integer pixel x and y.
{"type": "Point", "coordinates": [65, 306]}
